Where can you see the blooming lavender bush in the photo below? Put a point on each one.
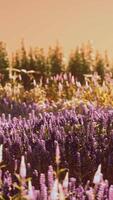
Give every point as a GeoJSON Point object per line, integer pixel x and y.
{"type": "Point", "coordinates": [58, 150]}
{"type": "Point", "coordinates": [51, 186]}
{"type": "Point", "coordinates": [82, 136]}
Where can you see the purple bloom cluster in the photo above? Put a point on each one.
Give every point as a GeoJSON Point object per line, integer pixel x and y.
{"type": "Point", "coordinates": [85, 138]}
{"type": "Point", "coordinates": [48, 188]}
{"type": "Point", "coordinates": [8, 105]}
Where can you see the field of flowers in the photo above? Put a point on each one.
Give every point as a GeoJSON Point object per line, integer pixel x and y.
{"type": "Point", "coordinates": [56, 140]}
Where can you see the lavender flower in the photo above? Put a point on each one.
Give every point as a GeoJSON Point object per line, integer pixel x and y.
{"type": "Point", "coordinates": [1, 153]}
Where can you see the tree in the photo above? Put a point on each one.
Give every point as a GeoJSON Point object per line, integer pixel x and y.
{"type": "Point", "coordinates": [4, 63]}
{"type": "Point", "coordinates": [23, 57]}
{"type": "Point", "coordinates": [31, 60]}
{"type": "Point", "coordinates": [40, 63]}
{"type": "Point", "coordinates": [55, 60]}
{"type": "Point", "coordinates": [24, 66]}
{"type": "Point", "coordinates": [16, 62]}
{"type": "Point", "coordinates": [78, 64]}
{"type": "Point", "coordinates": [99, 67]}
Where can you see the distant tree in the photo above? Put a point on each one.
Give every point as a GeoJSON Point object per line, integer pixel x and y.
{"type": "Point", "coordinates": [24, 66]}
{"type": "Point", "coordinates": [16, 60]}
{"type": "Point", "coordinates": [4, 63]}
{"type": "Point", "coordinates": [107, 64]}
{"type": "Point", "coordinates": [31, 60]}
{"type": "Point", "coordinates": [40, 63]}
{"type": "Point", "coordinates": [15, 68]}
{"type": "Point", "coordinates": [55, 60]}
{"type": "Point", "coordinates": [78, 64]}
{"type": "Point", "coordinates": [24, 57]}
{"type": "Point", "coordinates": [100, 66]}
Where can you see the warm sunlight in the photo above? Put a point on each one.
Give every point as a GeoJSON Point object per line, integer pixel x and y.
{"type": "Point", "coordinates": [43, 22]}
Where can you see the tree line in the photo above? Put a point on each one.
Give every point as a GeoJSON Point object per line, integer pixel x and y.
{"type": "Point", "coordinates": [32, 64]}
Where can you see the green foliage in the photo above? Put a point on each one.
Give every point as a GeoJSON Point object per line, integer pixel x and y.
{"type": "Point", "coordinates": [100, 68]}
{"type": "Point", "coordinates": [29, 66]}
{"type": "Point", "coordinates": [16, 60]}
{"type": "Point", "coordinates": [4, 63]}
{"type": "Point", "coordinates": [55, 60]}
{"type": "Point", "coordinates": [79, 65]}
{"type": "Point", "coordinates": [40, 64]}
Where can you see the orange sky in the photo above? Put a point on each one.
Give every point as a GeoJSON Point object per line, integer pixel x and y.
{"type": "Point", "coordinates": [42, 22]}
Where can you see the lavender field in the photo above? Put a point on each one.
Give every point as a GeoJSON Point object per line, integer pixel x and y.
{"type": "Point", "coordinates": [58, 145]}
{"type": "Point", "coordinates": [56, 100]}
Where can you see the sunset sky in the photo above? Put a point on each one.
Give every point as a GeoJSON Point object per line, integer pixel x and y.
{"type": "Point", "coordinates": [43, 22]}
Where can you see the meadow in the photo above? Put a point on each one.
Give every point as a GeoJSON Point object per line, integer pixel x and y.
{"type": "Point", "coordinates": [56, 129]}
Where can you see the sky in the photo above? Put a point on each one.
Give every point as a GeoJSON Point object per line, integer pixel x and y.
{"type": "Point", "coordinates": [44, 22]}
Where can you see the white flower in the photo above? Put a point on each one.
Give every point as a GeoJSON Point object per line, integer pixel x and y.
{"type": "Point", "coordinates": [54, 191]}
{"type": "Point", "coordinates": [98, 176]}
{"type": "Point", "coordinates": [66, 180]}
{"type": "Point", "coordinates": [30, 190]}
{"type": "Point", "coordinates": [78, 84]}
{"type": "Point", "coordinates": [23, 167]}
